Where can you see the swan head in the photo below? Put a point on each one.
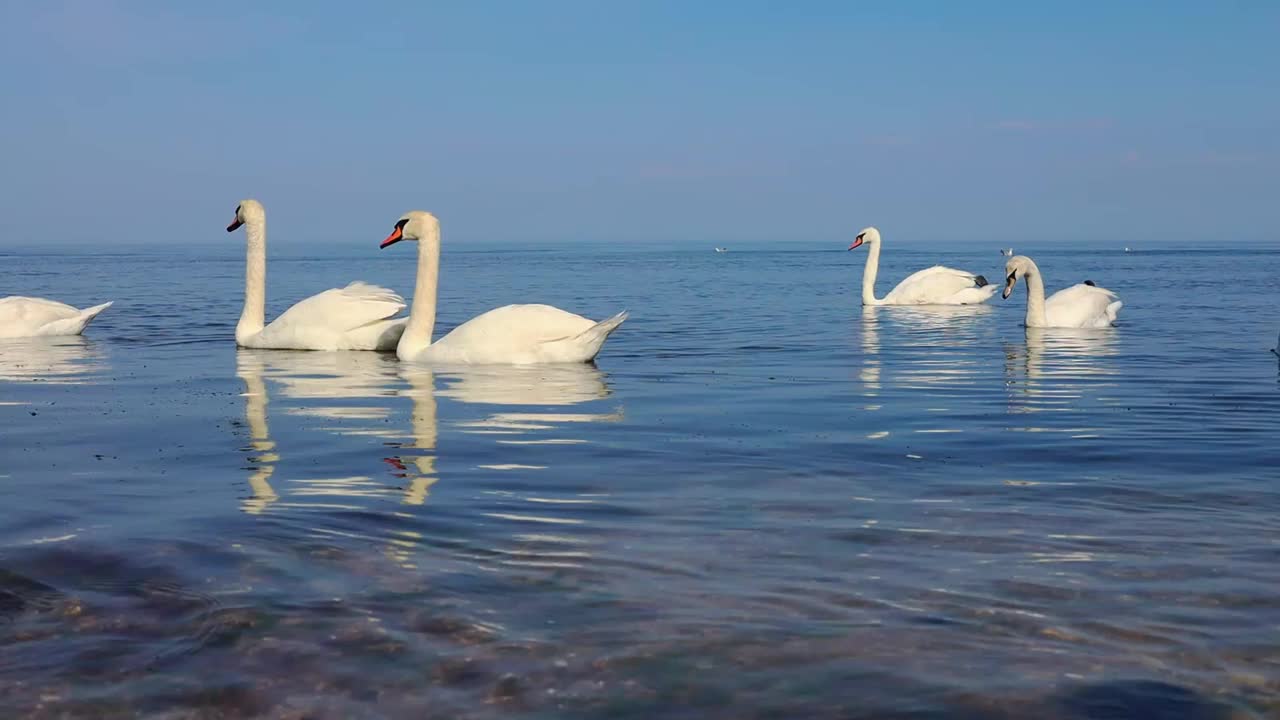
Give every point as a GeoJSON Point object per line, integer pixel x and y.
{"type": "Point", "coordinates": [413, 225]}
{"type": "Point", "coordinates": [248, 211]}
{"type": "Point", "coordinates": [868, 235]}
{"type": "Point", "coordinates": [1018, 266]}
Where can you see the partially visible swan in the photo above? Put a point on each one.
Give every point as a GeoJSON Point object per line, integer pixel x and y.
{"type": "Point", "coordinates": [357, 317]}
{"type": "Point", "coordinates": [937, 285]}
{"type": "Point", "coordinates": [33, 317]}
{"type": "Point", "coordinates": [1007, 252]}
{"type": "Point", "coordinates": [1080, 306]}
{"type": "Point", "coordinates": [509, 335]}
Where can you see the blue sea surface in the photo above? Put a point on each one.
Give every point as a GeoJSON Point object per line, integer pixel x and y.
{"type": "Point", "coordinates": [762, 501]}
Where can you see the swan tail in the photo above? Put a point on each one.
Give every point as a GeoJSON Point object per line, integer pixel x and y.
{"type": "Point", "coordinates": [584, 346]}
{"type": "Point", "coordinates": [1113, 310]}
{"type": "Point", "coordinates": [91, 313]}
{"type": "Point", "coordinates": [76, 324]}
{"type": "Point", "coordinates": [380, 336]}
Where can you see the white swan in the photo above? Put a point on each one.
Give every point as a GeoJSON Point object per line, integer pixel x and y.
{"type": "Point", "coordinates": [937, 285]}
{"type": "Point", "coordinates": [32, 317]}
{"type": "Point", "coordinates": [357, 317]}
{"type": "Point", "coordinates": [511, 335]}
{"type": "Point", "coordinates": [1079, 306]}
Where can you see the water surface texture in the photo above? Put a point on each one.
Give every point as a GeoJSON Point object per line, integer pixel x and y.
{"type": "Point", "coordinates": [764, 501]}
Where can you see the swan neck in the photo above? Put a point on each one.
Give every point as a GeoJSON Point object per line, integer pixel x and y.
{"type": "Point", "coordinates": [253, 317]}
{"type": "Point", "coordinates": [869, 274]}
{"type": "Point", "coordinates": [422, 313]}
{"type": "Point", "coordinates": [1035, 298]}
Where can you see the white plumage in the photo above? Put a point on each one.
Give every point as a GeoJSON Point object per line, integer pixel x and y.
{"type": "Point", "coordinates": [512, 334]}
{"type": "Point", "coordinates": [937, 285]}
{"type": "Point", "coordinates": [1079, 306]}
{"type": "Point", "coordinates": [521, 335]}
{"type": "Point", "coordinates": [33, 317]}
{"type": "Point", "coordinates": [359, 316]}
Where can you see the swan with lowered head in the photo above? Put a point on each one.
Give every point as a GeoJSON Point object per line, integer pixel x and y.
{"type": "Point", "coordinates": [509, 335]}
{"type": "Point", "coordinates": [36, 317]}
{"type": "Point", "coordinates": [357, 317]}
{"type": "Point", "coordinates": [1080, 306]}
{"type": "Point", "coordinates": [937, 285]}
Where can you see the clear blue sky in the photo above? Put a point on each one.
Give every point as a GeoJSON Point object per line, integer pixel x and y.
{"type": "Point", "coordinates": [706, 122]}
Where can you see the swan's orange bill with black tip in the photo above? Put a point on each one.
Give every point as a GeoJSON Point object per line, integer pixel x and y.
{"type": "Point", "coordinates": [235, 224]}
{"type": "Point", "coordinates": [396, 236]}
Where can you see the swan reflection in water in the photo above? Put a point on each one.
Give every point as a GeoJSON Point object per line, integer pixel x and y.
{"type": "Point", "coordinates": [262, 457]}
{"type": "Point", "coordinates": [1052, 369]}
{"type": "Point", "coordinates": [869, 369]}
{"type": "Point", "coordinates": [529, 385]}
{"type": "Point", "coordinates": [340, 376]}
{"type": "Point", "coordinates": [546, 387]}
{"type": "Point", "coordinates": [919, 329]}
{"type": "Point", "coordinates": [423, 433]}
{"type": "Point", "coordinates": [65, 360]}
{"type": "Point", "coordinates": [311, 376]}
{"type": "Point", "coordinates": [923, 333]}
{"type": "Point", "coordinates": [314, 378]}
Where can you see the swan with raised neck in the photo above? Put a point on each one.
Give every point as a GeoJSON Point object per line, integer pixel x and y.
{"type": "Point", "coordinates": [511, 334]}
{"type": "Point", "coordinates": [937, 285]}
{"type": "Point", "coordinates": [359, 316]}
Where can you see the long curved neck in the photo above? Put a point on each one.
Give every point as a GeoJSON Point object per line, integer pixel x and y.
{"type": "Point", "coordinates": [422, 314]}
{"type": "Point", "coordinates": [253, 317]}
{"type": "Point", "coordinates": [1035, 298]}
{"type": "Point", "coordinates": [869, 274]}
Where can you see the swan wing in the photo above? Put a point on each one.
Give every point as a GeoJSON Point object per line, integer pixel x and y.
{"type": "Point", "coordinates": [359, 316]}
{"type": "Point", "coordinates": [1082, 306]}
{"type": "Point", "coordinates": [939, 285]}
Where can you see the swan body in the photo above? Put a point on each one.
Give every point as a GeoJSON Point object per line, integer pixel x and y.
{"type": "Point", "coordinates": [359, 316]}
{"type": "Point", "coordinates": [1084, 305]}
{"type": "Point", "coordinates": [937, 285]}
{"type": "Point", "coordinates": [38, 317]}
{"type": "Point", "coordinates": [509, 335]}
{"type": "Point", "coordinates": [521, 335]}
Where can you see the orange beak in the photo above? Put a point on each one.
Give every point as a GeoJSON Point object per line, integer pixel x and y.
{"type": "Point", "coordinates": [396, 236]}
{"type": "Point", "coordinates": [856, 242]}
